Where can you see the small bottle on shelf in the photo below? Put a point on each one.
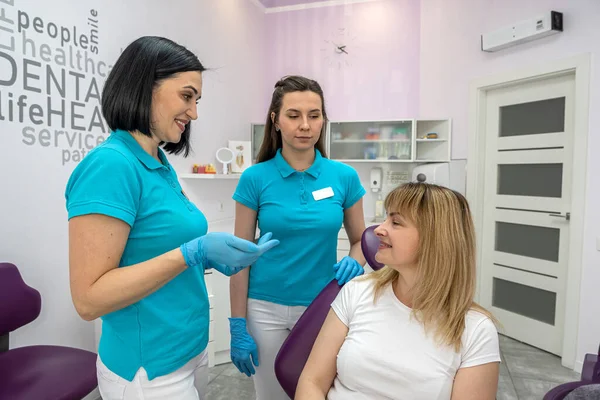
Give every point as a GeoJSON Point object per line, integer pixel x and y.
{"type": "Point", "coordinates": [379, 207]}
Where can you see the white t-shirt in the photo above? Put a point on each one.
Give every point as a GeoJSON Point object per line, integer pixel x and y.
{"type": "Point", "coordinates": [387, 354]}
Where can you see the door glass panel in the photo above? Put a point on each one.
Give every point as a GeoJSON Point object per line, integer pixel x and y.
{"type": "Point", "coordinates": [539, 180]}
{"type": "Point", "coordinates": [544, 116]}
{"type": "Point", "coordinates": [528, 240]}
{"type": "Point", "coordinates": [258, 132]}
{"type": "Point", "coordinates": [524, 300]}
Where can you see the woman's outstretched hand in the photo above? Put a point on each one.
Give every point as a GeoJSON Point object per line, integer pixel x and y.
{"type": "Point", "coordinates": [225, 252]}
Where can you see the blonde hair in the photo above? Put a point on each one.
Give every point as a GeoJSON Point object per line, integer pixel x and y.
{"type": "Point", "coordinates": [445, 284]}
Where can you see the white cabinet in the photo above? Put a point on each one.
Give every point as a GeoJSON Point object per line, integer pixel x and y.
{"type": "Point", "coordinates": [391, 141]}
{"type": "Point", "coordinates": [371, 140]}
{"type": "Point", "coordinates": [208, 275]}
{"type": "Point", "coordinates": [433, 150]}
{"type": "Point", "coordinates": [407, 141]}
{"type": "Point", "coordinates": [218, 291]}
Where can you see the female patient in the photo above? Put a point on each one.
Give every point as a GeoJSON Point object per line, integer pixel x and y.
{"type": "Point", "coordinates": [410, 330]}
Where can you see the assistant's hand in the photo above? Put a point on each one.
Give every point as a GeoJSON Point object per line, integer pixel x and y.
{"type": "Point", "coordinates": [347, 269]}
{"type": "Point", "coordinates": [220, 249]}
{"type": "Point", "coordinates": [244, 352]}
{"type": "Point", "coordinates": [226, 269]}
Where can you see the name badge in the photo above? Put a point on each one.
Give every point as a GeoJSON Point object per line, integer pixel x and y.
{"type": "Point", "coordinates": [322, 193]}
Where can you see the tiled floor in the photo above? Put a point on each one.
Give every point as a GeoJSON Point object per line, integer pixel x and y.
{"type": "Point", "coordinates": [526, 373]}
{"type": "Point", "coordinates": [227, 383]}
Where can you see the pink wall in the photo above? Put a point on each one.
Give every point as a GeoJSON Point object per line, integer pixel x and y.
{"type": "Point", "coordinates": [383, 78]}
{"type": "Point", "coordinates": [451, 58]}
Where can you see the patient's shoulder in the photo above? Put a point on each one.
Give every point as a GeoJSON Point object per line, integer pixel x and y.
{"type": "Point", "coordinates": [476, 319]}
{"type": "Point", "coordinates": [480, 340]}
{"type": "Point", "coordinates": [479, 327]}
{"type": "Point", "coordinates": [361, 286]}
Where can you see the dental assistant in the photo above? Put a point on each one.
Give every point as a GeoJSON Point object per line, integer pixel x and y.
{"type": "Point", "coordinates": [303, 197]}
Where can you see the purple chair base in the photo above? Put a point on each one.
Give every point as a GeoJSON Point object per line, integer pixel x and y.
{"type": "Point", "coordinates": [294, 352]}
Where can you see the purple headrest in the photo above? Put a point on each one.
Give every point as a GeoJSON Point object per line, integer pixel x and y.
{"type": "Point", "coordinates": [369, 245]}
{"type": "Point", "coordinates": [19, 303]}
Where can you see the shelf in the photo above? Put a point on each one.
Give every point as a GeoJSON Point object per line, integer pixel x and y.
{"type": "Point", "coordinates": [374, 161]}
{"type": "Point", "coordinates": [210, 176]}
{"type": "Point", "coordinates": [402, 138]}
{"type": "Point", "coordinates": [374, 122]}
{"type": "Point", "coordinates": [371, 141]}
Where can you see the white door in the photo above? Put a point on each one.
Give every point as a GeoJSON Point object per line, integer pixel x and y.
{"type": "Point", "coordinates": [528, 165]}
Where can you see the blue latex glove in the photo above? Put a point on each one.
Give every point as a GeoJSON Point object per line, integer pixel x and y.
{"type": "Point", "coordinates": [244, 352]}
{"type": "Point", "coordinates": [347, 269]}
{"type": "Point", "coordinates": [222, 268]}
{"type": "Point", "coordinates": [225, 252]}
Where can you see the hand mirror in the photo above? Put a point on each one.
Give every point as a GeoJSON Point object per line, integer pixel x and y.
{"type": "Point", "coordinates": [225, 156]}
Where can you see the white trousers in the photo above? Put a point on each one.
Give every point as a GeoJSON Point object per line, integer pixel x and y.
{"type": "Point", "coordinates": [269, 324]}
{"type": "Point", "coordinates": [187, 383]}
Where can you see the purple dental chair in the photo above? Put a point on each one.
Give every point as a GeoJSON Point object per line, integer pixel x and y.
{"type": "Point", "coordinates": [587, 388]}
{"type": "Point", "coordinates": [37, 372]}
{"type": "Point", "coordinates": [295, 350]}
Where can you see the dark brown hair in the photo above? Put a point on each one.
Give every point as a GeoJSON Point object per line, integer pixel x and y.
{"type": "Point", "coordinates": [127, 93]}
{"type": "Point", "coordinates": [272, 139]}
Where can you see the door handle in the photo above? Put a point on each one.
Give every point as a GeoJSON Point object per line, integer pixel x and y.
{"type": "Point", "coordinates": [566, 216]}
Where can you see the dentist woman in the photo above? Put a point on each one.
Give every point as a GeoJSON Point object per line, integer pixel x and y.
{"type": "Point", "coordinates": [138, 247]}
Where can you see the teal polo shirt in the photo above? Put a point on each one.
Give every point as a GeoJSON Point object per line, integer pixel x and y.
{"type": "Point", "coordinates": [305, 211]}
{"type": "Point", "coordinates": [166, 329]}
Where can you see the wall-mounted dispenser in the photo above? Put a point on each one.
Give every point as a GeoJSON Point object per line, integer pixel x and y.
{"type": "Point", "coordinates": [376, 179]}
{"type": "Point", "coordinates": [437, 173]}
{"type": "Point", "coordinates": [376, 187]}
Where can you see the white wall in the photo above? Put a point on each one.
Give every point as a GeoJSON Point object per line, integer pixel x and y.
{"type": "Point", "coordinates": [227, 35]}
{"type": "Point", "coordinates": [451, 58]}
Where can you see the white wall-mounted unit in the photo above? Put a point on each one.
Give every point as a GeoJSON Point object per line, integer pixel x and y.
{"type": "Point", "coordinates": [527, 30]}
{"type": "Point", "coordinates": [435, 173]}
{"type": "Point", "coordinates": [392, 141]}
